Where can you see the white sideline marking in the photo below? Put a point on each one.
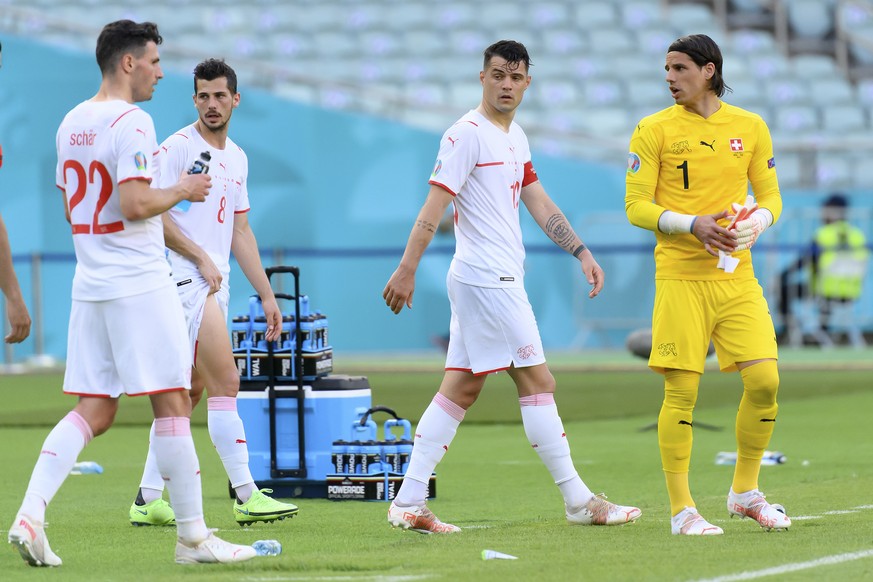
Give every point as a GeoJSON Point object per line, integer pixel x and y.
{"type": "Point", "coordinates": [374, 577]}
{"type": "Point", "coordinates": [784, 569]}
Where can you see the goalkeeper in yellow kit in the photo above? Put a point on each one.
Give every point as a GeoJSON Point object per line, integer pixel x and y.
{"type": "Point", "coordinates": [689, 170]}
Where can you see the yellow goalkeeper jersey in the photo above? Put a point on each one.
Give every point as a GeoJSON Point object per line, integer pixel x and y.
{"type": "Point", "coordinates": [681, 162]}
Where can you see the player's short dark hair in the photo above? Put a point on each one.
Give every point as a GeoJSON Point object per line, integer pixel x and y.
{"type": "Point", "coordinates": [121, 37]}
{"type": "Point", "coordinates": [836, 200]}
{"type": "Point", "coordinates": [212, 69]}
{"type": "Point", "coordinates": [702, 50]}
{"type": "Point", "coordinates": [511, 51]}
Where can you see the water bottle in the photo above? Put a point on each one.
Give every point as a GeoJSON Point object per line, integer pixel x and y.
{"type": "Point", "coordinates": [769, 458]}
{"type": "Point", "coordinates": [200, 166]}
{"type": "Point", "coordinates": [338, 456]}
{"type": "Point", "coordinates": [353, 457]}
{"type": "Point", "coordinates": [773, 458]}
{"type": "Point", "coordinates": [404, 452]}
{"type": "Point", "coordinates": [371, 462]}
{"type": "Point", "coordinates": [86, 468]}
{"type": "Point", "coordinates": [267, 547]}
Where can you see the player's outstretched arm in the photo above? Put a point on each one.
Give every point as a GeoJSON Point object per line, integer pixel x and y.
{"type": "Point", "coordinates": [401, 286]}
{"type": "Point", "coordinates": [16, 310]}
{"type": "Point", "coordinates": [245, 249]}
{"type": "Point", "coordinates": [553, 222]}
{"type": "Point", "coordinates": [178, 242]}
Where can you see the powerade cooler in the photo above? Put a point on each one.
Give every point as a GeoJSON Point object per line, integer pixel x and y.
{"type": "Point", "coordinates": [292, 407]}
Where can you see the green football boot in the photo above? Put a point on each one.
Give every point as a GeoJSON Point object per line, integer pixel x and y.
{"type": "Point", "coordinates": [158, 512]}
{"type": "Point", "coordinates": [260, 507]}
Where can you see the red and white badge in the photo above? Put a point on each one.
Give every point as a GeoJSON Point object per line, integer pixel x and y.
{"type": "Point", "coordinates": [736, 144]}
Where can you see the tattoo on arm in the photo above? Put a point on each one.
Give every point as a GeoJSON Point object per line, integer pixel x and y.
{"type": "Point", "coordinates": [560, 231]}
{"type": "Point", "coordinates": [425, 225]}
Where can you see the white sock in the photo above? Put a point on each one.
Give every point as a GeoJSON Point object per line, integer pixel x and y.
{"type": "Point", "coordinates": [433, 435]}
{"type": "Point", "coordinates": [151, 486]}
{"type": "Point", "coordinates": [180, 469]}
{"type": "Point", "coordinates": [59, 452]}
{"type": "Point", "coordinates": [229, 437]}
{"type": "Point", "coordinates": [545, 432]}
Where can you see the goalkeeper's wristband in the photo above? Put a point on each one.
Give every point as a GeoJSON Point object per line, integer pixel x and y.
{"type": "Point", "coordinates": [674, 223]}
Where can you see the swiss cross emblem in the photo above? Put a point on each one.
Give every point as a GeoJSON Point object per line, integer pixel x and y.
{"type": "Point", "coordinates": [736, 144]}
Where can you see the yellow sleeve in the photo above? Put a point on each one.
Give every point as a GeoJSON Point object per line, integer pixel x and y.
{"type": "Point", "coordinates": [641, 179]}
{"type": "Point", "coordinates": [762, 174]}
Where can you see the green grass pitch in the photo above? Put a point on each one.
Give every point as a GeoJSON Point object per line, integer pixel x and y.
{"type": "Point", "coordinates": [493, 486]}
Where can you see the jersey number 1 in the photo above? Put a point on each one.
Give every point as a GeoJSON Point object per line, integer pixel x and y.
{"type": "Point", "coordinates": [103, 197]}
{"type": "Point", "coordinates": [684, 167]}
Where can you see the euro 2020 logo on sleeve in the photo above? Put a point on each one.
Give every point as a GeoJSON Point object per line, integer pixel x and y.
{"type": "Point", "coordinates": [436, 168]}
{"type": "Point", "coordinates": [140, 160]}
{"type": "Point", "coordinates": [633, 163]}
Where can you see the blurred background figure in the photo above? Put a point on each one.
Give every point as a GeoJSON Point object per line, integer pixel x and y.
{"type": "Point", "coordinates": [831, 274]}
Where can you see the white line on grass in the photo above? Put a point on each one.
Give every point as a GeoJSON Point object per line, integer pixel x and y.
{"type": "Point", "coordinates": [786, 568]}
{"type": "Point", "coordinates": [374, 577]}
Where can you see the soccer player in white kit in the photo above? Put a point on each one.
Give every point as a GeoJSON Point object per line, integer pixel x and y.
{"type": "Point", "coordinates": [127, 331]}
{"type": "Point", "coordinates": [484, 167]}
{"type": "Point", "coordinates": [200, 238]}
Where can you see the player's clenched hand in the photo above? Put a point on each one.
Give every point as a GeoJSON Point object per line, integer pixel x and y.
{"type": "Point", "coordinates": [713, 236]}
{"type": "Point", "coordinates": [398, 292]}
{"type": "Point", "coordinates": [593, 273]}
{"type": "Point", "coordinates": [274, 318]}
{"type": "Point", "coordinates": [19, 321]}
{"type": "Point", "coordinates": [195, 187]}
{"type": "Point", "coordinates": [210, 273]}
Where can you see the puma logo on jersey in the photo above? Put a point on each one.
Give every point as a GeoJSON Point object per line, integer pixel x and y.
{"type": "Point", "coordinates": [709, 145]}
{"type": "Point", "coordinates": [451, 139]}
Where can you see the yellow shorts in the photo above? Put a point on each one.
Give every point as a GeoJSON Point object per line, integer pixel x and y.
{"type": "Point", "coordinates": [687, 314]}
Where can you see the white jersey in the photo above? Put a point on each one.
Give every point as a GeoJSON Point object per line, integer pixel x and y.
{"type": "Point", "coordinates": [485, 168]}
{"type": "Point", "coordinates": [208, 224]}
{"type": "Point", "coordinates": [100, 145]}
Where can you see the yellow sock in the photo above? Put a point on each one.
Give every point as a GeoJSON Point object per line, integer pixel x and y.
{"type": "Point", "coordinates": [674, 435]}
{"type": "Point", "coordinates": [756, 418]}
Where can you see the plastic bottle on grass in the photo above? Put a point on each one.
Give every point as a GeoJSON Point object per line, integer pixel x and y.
{"type": "Point", "coordinates": [85, 468]}
{"type": "Point", "coordinates": [267, 547]}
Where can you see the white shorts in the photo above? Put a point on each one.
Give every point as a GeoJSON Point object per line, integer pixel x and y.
{"type": "Point", "coordinates": [491, 329]}
{"type": "Point", "coordinates": [193, 291]}
{"type": "Point", "coordinates": [133, 345]}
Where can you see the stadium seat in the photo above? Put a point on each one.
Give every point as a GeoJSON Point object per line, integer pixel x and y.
{"type": "Point", "coordinates": [547, 15]}
{"type": "Point", "coordinates": [649, 93]}
{"type": "Point", "coordinates": [751, 42]}
{"type": "Point", "coordinates": [381, 44]}
{"type": "Point", "coordinates": [833, 170]}
{"type": "Point", "coordinates": [565, 41]}
{"type": "Point", "coordinates": [613, 41]}
{"type": "Point", "coordinates": [796, 119]}
{"type": "Point", "coordinates": [813, 65]}
{"type": "Point", "coordinates": [595, 15]}
{"type": "Point", "coordinates": [406, 16]}
{"type": "Point", "coordinates": [810, 19]}
{"type": "Point", "coordinates": [655, 39]}
{"type": "Point", "coordinates": [609, 122]}
{"type": "Point", "coordinates": [846, 120]}
{"type": "Point", "coordinates": [556, 93]}
{"type": "Point", "coordinates": [468, 42]}
{"type": "Point", "coordinates": [786, 91]}
{"type": "Point", "coordinates": [768, 66]}
{"type": "Point", "coordinates": [828, 91]}
{"type": "Point", "coordinates": [335, 44]}
{"type": "Point", "coordinates": [453, 16]}
{"type": "Point", "coordinates": [604, 92]}
{"type": "Point", "coordinates": [641, 15]}
{"type": "Point", "coordinates": [789, 168]}
{"type": "Point", "coordinates": [691, 17]}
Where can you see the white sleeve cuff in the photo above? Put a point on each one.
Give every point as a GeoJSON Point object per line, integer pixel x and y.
{"type": "Point", "coordinates": [674, 223]}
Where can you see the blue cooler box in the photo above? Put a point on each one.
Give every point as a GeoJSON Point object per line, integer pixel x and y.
{"type": "Point", "coordinates": [330, 406]}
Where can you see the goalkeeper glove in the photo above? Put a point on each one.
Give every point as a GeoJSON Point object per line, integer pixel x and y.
{"type": "Point", "coordinates": [750, 227]}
